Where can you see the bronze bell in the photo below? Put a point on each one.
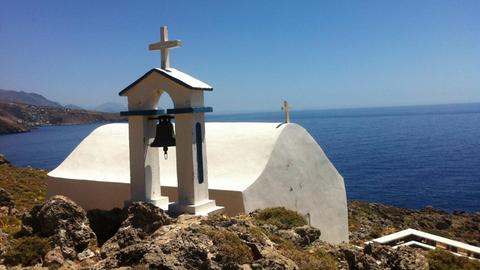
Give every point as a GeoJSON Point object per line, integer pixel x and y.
{"type": "Point", "coordinates": [165, 136]}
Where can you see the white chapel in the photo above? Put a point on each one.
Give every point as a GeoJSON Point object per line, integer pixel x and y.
{"type": "Point", "coordinates": [175, 160]}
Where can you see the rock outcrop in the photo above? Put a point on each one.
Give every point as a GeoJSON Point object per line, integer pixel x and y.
{"type": "Point", "coordinates": [189, 243]}
{"type": "Point", "coordinates": [63, 222]}
{"type": "Point", "coordinates": [377, 257]}
{"type": "Point", "coordinates": [105, 223]}
{"type": "Point", "coordinates": [372, 220]}
{"type": "Point", "coordinates": [3, 160]}
{"type": "Point", "coordinates": [142, 220]}
{"type": "Point", "coordinates": [302, 236]}
{"type": "Point", "coordinates": [3, 243]}
{"type": "Point", "coordinates": [6, 199]}
{"type": "Point", "coordinates": [142, 236]}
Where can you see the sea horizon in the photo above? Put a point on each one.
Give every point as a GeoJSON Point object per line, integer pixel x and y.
{"type": "Point", "coordinates": [354, 108]}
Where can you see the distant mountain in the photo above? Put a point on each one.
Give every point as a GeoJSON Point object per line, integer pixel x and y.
{"type": "Point", "coordinates": [27, 98]}
{"type": "Point", "coordinates": [73, 106]}
{"type": "Point", "coordinates": [110, 107]}
{"type": "Point", "coordinates": [21, 111]}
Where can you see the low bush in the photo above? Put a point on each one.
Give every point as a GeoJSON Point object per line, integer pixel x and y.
{"type": "Point", "coordinates": [329, 262]}
{"type": "Point", "coordinates": [259, 234]}
{"type": "Point", "coordinates": [10, 224]}
{"type": "Point", "coordinates": [281, 217]}
{"type": "Point", "coordinates": [26, 251]}
{"type": "Point", "coordinates": [440, 259]}
{"type": "Point", "coordinates": [229, 245]}
{"type": "Point", "coordinates": [306, 260]}
{"type": "Point", "coordinates": [376, 232]}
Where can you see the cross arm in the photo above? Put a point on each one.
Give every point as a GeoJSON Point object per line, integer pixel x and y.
{"type": "Point", "coordinates": [164, 45]}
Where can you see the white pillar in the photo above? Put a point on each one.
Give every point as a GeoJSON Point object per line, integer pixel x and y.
{"type": "Point", "coordinates": [144, 162]}
{"type": "Point", "coordinates": [192, 171]}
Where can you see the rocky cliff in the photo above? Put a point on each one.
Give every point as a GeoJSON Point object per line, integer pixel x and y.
{"type": "Point", "coordinates": [59, 234]}
{"type": "Point", "coordinates": [16, 117]}
{"type": "Point", "coordinates": [372, 220]}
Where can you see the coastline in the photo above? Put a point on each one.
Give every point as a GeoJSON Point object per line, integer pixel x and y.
{"type": "Point", "coordinates": [20, 118]}
{"type": "Point", "coordinates": [60, 125]}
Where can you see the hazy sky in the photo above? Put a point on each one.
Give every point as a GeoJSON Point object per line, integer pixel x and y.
{"type": "Point", "coordinates": [315, 54]}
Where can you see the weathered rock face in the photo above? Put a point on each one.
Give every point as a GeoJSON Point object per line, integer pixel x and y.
{"type": "Point", "coordinates": [372, 220]}
{"type": "Point", "coordinates": [189, 243]}
{"type": "Point", "coordinates": [6, 199]}
{"type": "Point", "coordinates": [301, 236]}
{"type": "Point", "coordinates": [3, 160]}
{"type": "Point", "coordinates": [105, 223]}
{"type": "Point", "coordinates": [65, 224]}
{"type": "Point", "coordinates": [54, 258]}
{"type": "Point", "coordinates": [307, 234]}
{"type": "Point", "coordinates": [142, 220]}
{"type": "Point", "coordinates": [3, 244]}
{"type": "Point", "coordinates": [377, 257]}
{"type": "Point", "coordinates": [145, 217]}
{"type": "Point", "coordinates": [147, 238]}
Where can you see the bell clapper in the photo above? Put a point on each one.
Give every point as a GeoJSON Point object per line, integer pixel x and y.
{"type": "Point", "coordinates": [165, 154]}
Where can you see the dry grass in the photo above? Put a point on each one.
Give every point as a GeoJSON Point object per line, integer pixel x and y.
{"type": "Point", "coordinates": [26, 251]}
{"type": "Point", "coordinates": [28, 186]}
{"type": "Point", "coordinates": [440, 259]}
{"type": "Point", "coordinates": [281, 217]}
{"type": "Point", "coordinates": [306, 260]}
{"type": "Point", "coordinates": [10, 224]}
{"type": "Point", "coordinates": [229, 246]}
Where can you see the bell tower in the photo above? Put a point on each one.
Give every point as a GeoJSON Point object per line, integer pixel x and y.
{"type": "Point", "coordinates": [187, 94]}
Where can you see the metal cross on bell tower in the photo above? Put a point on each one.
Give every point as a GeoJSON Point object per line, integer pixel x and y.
{"type": "Point", "coordinates": [163, 46]}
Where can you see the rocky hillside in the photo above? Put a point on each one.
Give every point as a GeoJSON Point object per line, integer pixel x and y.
{"type": "Point", "coordinates": [8, 96]}
{"type": "Point", "coordinates": [372, 220]}
{"type": "Point", "coordinates": [15, 117]}
{"type": "Point", "coordinates": [58, 234]}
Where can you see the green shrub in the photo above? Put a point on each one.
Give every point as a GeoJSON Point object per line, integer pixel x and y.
{"type": "Point", "coordinates": [259, 234]}
{"type": "Point", "coordinates": [306, 260]}
{"type": "Point", "coordinates": [317, 259]}
{"type": "Point", "coordinates": [281, 217]}
{"type": "Point", "coordinates": [10, 224]}
{"type": "Point", "coordinates": [27, 251]}
{"type": "Point", "coordinates": [230, 247]}
{"type": "Point", "coordinates": [440, 259]}
{"type": "Point", "coordinates": [376, 232]}
{"type": "Point", "coordinates": [329, 261]}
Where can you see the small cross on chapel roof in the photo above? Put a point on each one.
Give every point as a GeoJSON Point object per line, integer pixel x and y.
{"type": "Point", "coordinates": [286, 110]}
{"type": "Point", "coordinates": [163, 46]}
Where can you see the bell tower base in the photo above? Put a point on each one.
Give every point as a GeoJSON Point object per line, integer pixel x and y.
{"type": "Point", "coordinates": [206, 208]}
{"type": "Point", "coordinates": [161, 202]}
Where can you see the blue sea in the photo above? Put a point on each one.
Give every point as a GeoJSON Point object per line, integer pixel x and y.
{"type": "Point", "coordinates": [411, 157]}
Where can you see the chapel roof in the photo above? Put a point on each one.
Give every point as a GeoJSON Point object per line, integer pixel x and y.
{"type": "Point", "coordinates": [108, 160]}
{"type": "Point", "coordinates": [176, 76]}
